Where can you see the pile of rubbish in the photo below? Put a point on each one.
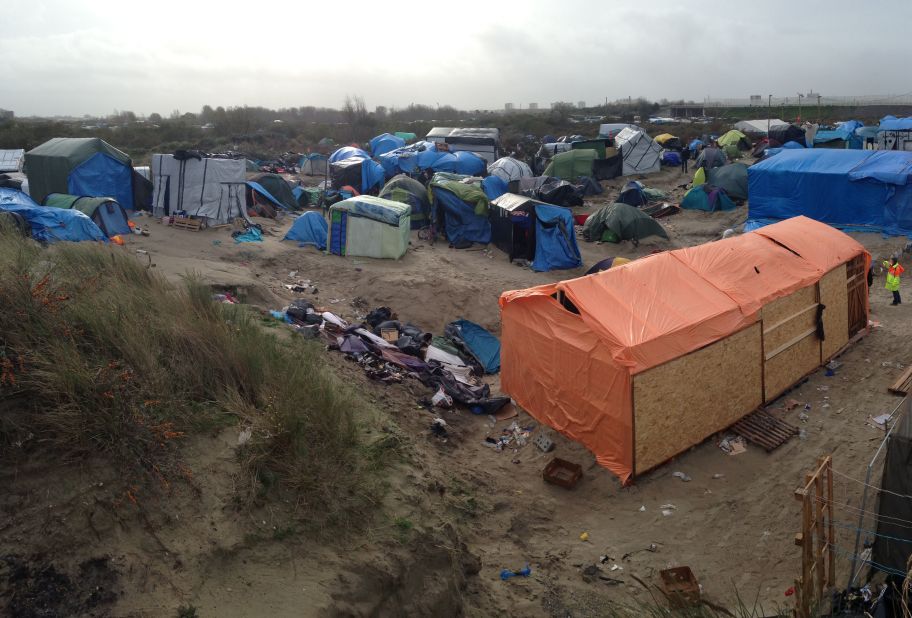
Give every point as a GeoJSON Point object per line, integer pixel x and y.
{"type": "Point", "coordinates": [390, 351]}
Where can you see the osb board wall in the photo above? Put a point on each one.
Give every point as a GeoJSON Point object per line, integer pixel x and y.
{"type": "Point", "coordinates": [790, 345]}
{"type": "Point", "coordinates": [834, 295]}
{"type": "Point", "coordinates": [681, 403]}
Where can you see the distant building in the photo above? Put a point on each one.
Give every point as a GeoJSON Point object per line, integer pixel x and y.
{"type": "Point", "coordinates": [686, 110]}
{"type": "Point", "coordinates": [533, 105]}
{"type": "Point", "coordinates": [581, 104]}
{"type": "Point", "coordinates": [6, 114]}
{"type": "Point", "coordinates": [509, 107]}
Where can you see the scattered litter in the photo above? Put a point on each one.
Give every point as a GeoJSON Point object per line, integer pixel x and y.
{"type": "Point", "coordinates": [718, 476]}
{"type": "Point", "coordinates": [438, 427]}
{"type": "Point", "coordinates": [803, 417]}
{"type": "Point", "coordinates": [507, 573]}
{"type": "Point", "coordinates": [441, 399]}
{"type": "Point", "coordinates": [616, 567]}
{"type": "Point", "coordinates": [733, 445]}
{"type": "Point", "coordinates": [544, 442]}
{"type": "Point", "coordinates": [802, 434]}
{"type": "Point", "coordinates": [834, 365]}
{"type": "Point", "coordinates": [293, 274]}
{"type": "Point", "coordinates": [643, 509]}
{"type": "Point", "coordinates": [668, 509]}
{"type": "Point", "coordinates": [791, 404]}
{"type": "Point", "coordinates": [881, 420]}
{"type": "Point", "coordinates": [245, 436]}
{"type": "Point", "coordinates": [682, 476]}
{"type": "Point", "coordinates": [584, 536]}
{"type": "Point", "coordinates": [652, 548]}
{"type": "Point", "coordinates": [823, 388]}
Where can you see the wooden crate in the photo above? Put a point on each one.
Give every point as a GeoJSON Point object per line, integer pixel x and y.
{"type": "Point", "coordinates": [903, 384]}
{"type": "Point", "coordinates": [188, 223]}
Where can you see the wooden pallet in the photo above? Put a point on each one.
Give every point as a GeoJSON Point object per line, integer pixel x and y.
{"type": "Point", "coordinates": [903, 385]}
{"type": "Point", "coordinates": [765, 430]}
{"type": "Point", "coordinates": [186, 223]}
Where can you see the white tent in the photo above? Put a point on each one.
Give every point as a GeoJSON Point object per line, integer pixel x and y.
{"type": "Point", "coordinates": [11, 160]}
{"type": "Point", "coordinates": [210, 188]}
{"type": "Point", "coordinates": [757, 127]}
{"type": "Point", "coordinates": [508, 168]}
{"type": "Point", "coordinates": [641, 153]}
{"type": "Point", "coordinates": [611, 129]}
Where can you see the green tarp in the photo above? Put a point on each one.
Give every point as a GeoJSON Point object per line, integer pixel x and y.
{"type": "Point", "coordinates": [405, 135]}
{"type": "Point", "coordinates": [732, 138]}
{"type": "Point", "coordinates": [572, 164]}
{"type": "Point", "coordinates": [471, 194]}
{"type": "Point", "coordinates": [617, 222]}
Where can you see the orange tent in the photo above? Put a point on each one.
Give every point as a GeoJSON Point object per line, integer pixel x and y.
{"type": "Point", "coordinates": [642, 361]}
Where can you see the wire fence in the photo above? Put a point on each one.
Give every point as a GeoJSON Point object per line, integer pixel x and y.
{"type": "Point", "coordinates": [812, 100]}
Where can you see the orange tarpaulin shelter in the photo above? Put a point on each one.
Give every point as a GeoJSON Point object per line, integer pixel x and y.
{"type": "Point", "coordinates": [643, 361]}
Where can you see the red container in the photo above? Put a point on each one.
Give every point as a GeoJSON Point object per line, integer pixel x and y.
{"type": "Point", "coordinates": [580, 219]}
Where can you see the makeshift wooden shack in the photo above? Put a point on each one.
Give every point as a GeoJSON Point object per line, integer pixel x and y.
{"type": "Point", "coordinates": [643, 361]}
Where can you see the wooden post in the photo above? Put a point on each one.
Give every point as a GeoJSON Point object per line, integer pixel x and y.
{"type": "Point", "coordinates": [816, 538]}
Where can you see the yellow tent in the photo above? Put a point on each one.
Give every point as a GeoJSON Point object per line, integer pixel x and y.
{"type": "Point", "coordinates": [664, 137]}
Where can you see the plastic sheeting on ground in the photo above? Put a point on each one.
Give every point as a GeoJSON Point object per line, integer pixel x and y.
{"type": "Point", "coordinates": [849, 188]}
{"type": "Point", "coordinates": [309, 229]}
{"type": "Point", "coordinates": [50, 224]}
{"type": "Point", "coordinates": [484, 346]}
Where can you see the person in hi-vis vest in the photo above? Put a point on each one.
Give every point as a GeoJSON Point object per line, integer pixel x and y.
{"type": "Point", "coordinates": [894, 270]}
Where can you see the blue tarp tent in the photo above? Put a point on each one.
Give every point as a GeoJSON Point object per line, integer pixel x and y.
{"type": "Point", "coordinates": [494, 187]}
{"type": "Point", "coordinates": [385, 143]}
{"type": "Point", "coordinates": [555, 239]}
{"type": "Point", "coordinates": [892, 123]}
{"type": "Point", "coordinates": [469, 163]}
{"type": "Point", "coordinates": [309, 229]}
{"type": "Point", "coordinates": [103, 175]}
{"type": "Point", "coordinates": [261, 190]}
{"type": "Point", "coordinates": [50, 224]}
{"type": "Point", "coordinates": [845, 132]}
{"type": "Point", "coordinates": [460, 221]}
{"type": "Point", "coordinates": [484, 346]}
{"type": "Point", "coordinates": [845, 188]}
{"type": "Point", "coordinates": [347, 152]}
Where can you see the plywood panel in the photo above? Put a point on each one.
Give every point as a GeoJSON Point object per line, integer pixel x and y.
{"type": "Point", "coordinates": [834, 295]}
{"type": "Point", "coordinates": [790, 365]}
{"type": "Point", "coordinates": [686, 400]}
{"type": "Point", "coordinates": [788, 317]}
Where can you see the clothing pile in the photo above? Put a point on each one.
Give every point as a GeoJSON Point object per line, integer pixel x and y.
{"type": "Point", "coordinates": [390, 351]}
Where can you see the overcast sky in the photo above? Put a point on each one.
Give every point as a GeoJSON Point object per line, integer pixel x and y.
{"type": "Point", "coordinates": [73, 57]}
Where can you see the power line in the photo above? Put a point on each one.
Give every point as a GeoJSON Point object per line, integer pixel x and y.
{"type": "Point", "coordinates": [879, 567]}
{"type": "Point", "coordinates": [886, 491]}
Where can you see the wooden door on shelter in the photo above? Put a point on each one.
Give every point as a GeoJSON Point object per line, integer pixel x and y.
{"type": "Point", "coordinates": [857, 289]}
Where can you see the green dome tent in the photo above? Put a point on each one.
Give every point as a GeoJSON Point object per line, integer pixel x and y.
{"type": "Point", "coordinates": [617, 222]}
{"type": "Point", "coordinates": [409, 191]}
{"type": "Point", "coordinates": [107, 213]}
{"type": "Point", "coordinates": [732, 178]}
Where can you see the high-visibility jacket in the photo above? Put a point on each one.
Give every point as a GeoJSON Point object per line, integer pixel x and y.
{"type": "Point", "coordinates": [893, 273]}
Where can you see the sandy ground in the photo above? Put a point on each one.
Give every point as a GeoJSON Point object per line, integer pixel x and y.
{"type": "Point", "coordinates": [733, 523]}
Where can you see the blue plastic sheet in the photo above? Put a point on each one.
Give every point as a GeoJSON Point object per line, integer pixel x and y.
{"type": "Point", "coordinates": [494, 187]}
{"type": "Point", "coordinates": [309, 229]}
{"type": "Point", "coordinates": [555, 239]}
{"type": "Point", "coordinates": [372, 175]}
{"type": "Point", "coordinates": [460, 221]}
{"type": "Point", "coordinates": [892, 123]}
{"type": "Point", "coordinates": [469, 163]}
{"type": "Point", "coordinates": [840, 187]}
{"type": "Point", "coordinates": [103, 176]}
{"type": "Point", "coordinates": [50, 224]}
{"type": "Point", "coordinates": [262, 191]}
{"type": "Point", "coordinates": [385, 143]}
{"type": "Point", "coordinates": [251, 235]}
{"type": "Point", "coordinates": [484, 346]}
{"type": "Point", "coordinates": [347, 152]}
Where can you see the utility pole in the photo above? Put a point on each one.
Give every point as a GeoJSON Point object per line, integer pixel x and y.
{"type": "Point", "coordinates": [769, 111]}
{"type": "Point", "coordinates": [818, 109]}
{"type": "Point", "coordinates": [800, 96]}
